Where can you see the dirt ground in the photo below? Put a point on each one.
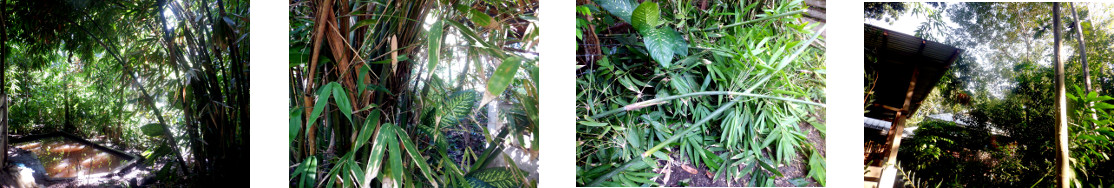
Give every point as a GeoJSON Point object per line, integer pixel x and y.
{"type": "Point", "coordinates": [675, 173]}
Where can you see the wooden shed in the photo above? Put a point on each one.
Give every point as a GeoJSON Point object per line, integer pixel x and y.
{"type": "Point", "coordinates": [905, 68]}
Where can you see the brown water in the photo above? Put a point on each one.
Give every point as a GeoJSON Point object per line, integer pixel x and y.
{"type": "Point", "coordinates": [65, 158]}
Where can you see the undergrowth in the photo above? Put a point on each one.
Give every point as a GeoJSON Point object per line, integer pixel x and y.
{"type": "Point", "coordinates": [722, 85]}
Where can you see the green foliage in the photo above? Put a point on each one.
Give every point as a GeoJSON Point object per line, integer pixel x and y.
{"type": "Point", "coordinates": [153, 129]}
{"type": "Point", "coordinates": [624, 9]}
{"type": "Point", "coordinates": [409, 112]}
{"type": "Point", "coordinates": [503, 75]}
{"type": "Point", "coordinates": [734, 101]}
{"type": "Point", "coordinates": [495, 178]}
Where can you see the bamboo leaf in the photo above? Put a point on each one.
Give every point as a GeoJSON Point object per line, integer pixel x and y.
{"type": "Point", "coordinates": [394, 153]}
{"type": "Point", "coordinates": [322, 100]}
{"type": "Point", "coordinates": [503, 75]}
{"type": "Point", "coordinates": [295, 123]}
{"type": "Point", "coordinates": [592, 123]}
{"type": "Point", "coordinates": [342, 100]}
{"type": "Point", "coordinates": [481, 18]}
{"type": "Point", "coordinates": [434, 44]}
{"type": "Point", "coordinates": [308, 172]}
{"type": "Point", "coordinates": [416, 155]}
{"type": "Point", "coordinates": [375, 158]}
{"type": "Point", "coordinates": [369, 128]}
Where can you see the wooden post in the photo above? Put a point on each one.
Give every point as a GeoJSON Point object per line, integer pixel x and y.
{"type": "Point", "coordinates": [1062, 157]}
{"type": "Point", "coordinates": [893, 140]}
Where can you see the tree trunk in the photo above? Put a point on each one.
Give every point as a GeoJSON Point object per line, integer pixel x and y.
{"type": "Point", "coordinates": [1062, 157]}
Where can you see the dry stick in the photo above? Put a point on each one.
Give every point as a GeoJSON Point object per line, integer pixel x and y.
{"type": "Point", "coordinates": [752, 21]}
{"type": "Point", "coordinates": [702, 121]}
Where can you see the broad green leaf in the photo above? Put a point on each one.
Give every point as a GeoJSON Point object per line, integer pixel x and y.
{"type": "Point", "coordinates": [503, 75]}
{"type": "Point", "coordinates": [342, 100]}
{"type": "Point", "coordinates": [153, 129]}
{"type": "Point", "coordinates": [457, 106]}
{"type": "Point", "coordinates": [680, 47]}
{"type": "Point", "coordinates": [295, 123]}
{"type": "Point", "coordinates": [661, 43]}
{"type": "Point", "coordinates": [1103, 106]}
{"type": "Point", "coordinates": [619, 8]}
{"type": "Point", "coordinates": [645, 17]}
{"type": "Point", "coordinates": [434, 44]}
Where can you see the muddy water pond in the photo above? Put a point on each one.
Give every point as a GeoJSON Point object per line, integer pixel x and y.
{"type": "Point", "coordinates": [66, 158]}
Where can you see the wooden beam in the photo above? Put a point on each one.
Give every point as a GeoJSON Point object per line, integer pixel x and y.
{"type": "Point", "coordinates": [887, 107]}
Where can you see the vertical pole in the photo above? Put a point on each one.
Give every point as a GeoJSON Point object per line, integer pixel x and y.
{"type": "Point", "coordinates": [893, 141]}
{"type": "Point", "coordinates": [1083, 58]}
{"type": "Point", "coordinates": [3, 83]}
{"type": "Point", "coordinates": [1082, 49]}
{"type": "Point", "coordinates": [1062, 156]}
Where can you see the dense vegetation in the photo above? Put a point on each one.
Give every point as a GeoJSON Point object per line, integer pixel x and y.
{"type": "Point", "coordinates": [730, 89]}
{"type": "Point", "coordinates": [1003, 135]}
{"type": "Point", "coordinates": [166, 80]}
{"type": "Point", "coordinates": [413, 93]}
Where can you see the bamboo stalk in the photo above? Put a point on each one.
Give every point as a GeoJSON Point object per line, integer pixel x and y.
{"type": "Point", "coordinates": [751, 21]}
{"type": "Point", "coordinates": [1062, 155]}
{"type": "Point", "coordinates": [663, 100]}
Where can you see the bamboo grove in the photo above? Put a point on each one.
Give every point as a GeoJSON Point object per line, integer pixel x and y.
{"type": "Point", "coordinates": [415, 93]}
{"type": "Point", "coordinates": [166, 79]}
{"type": "Point", "coordinates": [699, 93]}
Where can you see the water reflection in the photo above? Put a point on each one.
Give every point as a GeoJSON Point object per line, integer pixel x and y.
{"type": "Point", "coordinates": [65, 158]}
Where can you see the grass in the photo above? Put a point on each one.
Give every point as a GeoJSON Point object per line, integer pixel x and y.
{"type": "Point", "coordinates": [728, 95]}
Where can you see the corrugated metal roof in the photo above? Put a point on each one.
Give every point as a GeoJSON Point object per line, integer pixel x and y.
{"type": "Point", "coordinates": [898, 56]}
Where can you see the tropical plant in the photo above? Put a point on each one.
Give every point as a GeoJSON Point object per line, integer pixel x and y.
{"type": "Point", "coordinates": [724, 85]}
{"type": "Point", "coordinates": [168, 79]}
{"type": "Point", "coordinates": [391, 93]}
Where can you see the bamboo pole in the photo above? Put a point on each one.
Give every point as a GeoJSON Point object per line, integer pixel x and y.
{"type": "Point", "coordinates": [1062, 157]}
{"type": "Point", "coordinates": [1082, 49]}
{"type": "Point", "coordinates": [3, 91]}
